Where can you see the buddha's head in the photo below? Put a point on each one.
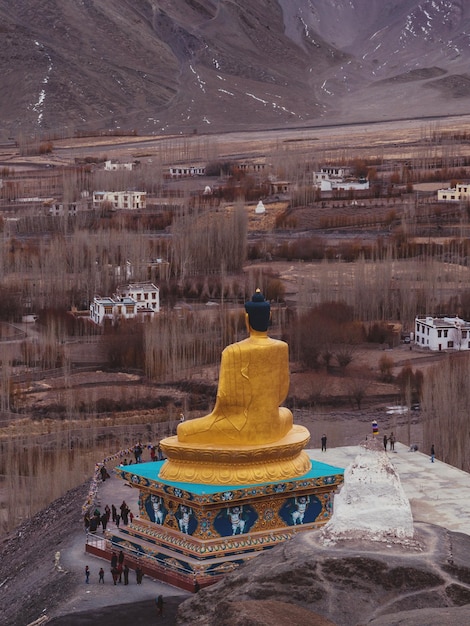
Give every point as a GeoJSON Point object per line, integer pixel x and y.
{"type": "Point", "coordinates": [258, 311]}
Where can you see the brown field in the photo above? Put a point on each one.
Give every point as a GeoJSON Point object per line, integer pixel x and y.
{"type": "Point", "coordinates": [94, 411]}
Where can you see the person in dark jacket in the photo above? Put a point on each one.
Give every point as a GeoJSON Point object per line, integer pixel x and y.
{"type": "Point", "coordinates": [114, 560]}
{"type": "Point", "coordinates": [104, 521]}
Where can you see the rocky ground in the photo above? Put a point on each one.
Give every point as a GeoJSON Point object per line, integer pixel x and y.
{"type": "Point", "coordinates": [421, 582]}
{"type": "Point", "coordinates": [32, 586]}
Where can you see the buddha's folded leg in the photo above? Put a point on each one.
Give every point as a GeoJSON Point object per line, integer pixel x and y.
{"type": "Point", "coordinates": [195, 430]}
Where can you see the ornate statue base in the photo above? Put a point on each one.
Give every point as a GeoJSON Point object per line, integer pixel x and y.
{"type": "Point", "coordinates": [191, 534]}
{"type": "Point", "coordinates": [228, 465]}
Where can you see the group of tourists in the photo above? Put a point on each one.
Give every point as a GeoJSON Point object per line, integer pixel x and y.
{"type": "Point", "coordinates": [156, 454]}
{"type": "Point", "coordinates": [389, 440]}
{"type": "Point", "coordinates": [123, 513]}
{"type": "Point", "coordinates": [119, 571]}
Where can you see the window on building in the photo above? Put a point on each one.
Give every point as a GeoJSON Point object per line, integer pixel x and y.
{"type": "Point", "coordinates": [427, 330]}
{"type": "Point", "coordinates": [446, 332]}
{"type": "Point", "coordinates": [464, 334]}
{"type": "Point", "coordinates": [450, 344]}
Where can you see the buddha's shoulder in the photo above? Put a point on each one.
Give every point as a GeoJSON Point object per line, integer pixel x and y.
{"type": "Point", "coordinates": [252, 342]}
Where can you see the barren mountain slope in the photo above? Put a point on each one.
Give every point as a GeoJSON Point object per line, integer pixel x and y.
{"type": "Point", "coordinates": [212, 65]}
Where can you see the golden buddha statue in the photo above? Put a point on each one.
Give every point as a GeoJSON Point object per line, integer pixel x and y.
{"type": "Point", "coordinates": [253, 381]}
{"type": "Point", "coordinates": [248, 437]}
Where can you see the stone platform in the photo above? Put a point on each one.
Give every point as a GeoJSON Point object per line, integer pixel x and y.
{"type": "Point", "coordinates": [201, 531]}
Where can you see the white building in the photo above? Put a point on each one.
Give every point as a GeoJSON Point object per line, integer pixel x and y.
{"type": "Point", "coordinates": [186, 171]}
{"type": "Point", "coordinates": [114, 166]}
{"type": "Point", "coordinates": [146, 295]}
{"type": "Point", "coordinates": [102, 309]}
{"type": "Point", "coordinates": [330, 178]}
{"type": "Point", "coordinates": [131, 200]}
{"type": "Point", "coordinates": [442, 333]}
{"type": "Point", "coordinates": [461, 191]}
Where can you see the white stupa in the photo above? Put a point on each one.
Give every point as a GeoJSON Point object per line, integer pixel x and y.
{"type": "Point", "coordinates": [260, 208]}
{"type": "Point", "coordinates": [372, 503]}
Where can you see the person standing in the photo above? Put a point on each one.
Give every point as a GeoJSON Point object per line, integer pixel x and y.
{"type": "Point", "coordinates": [104, 521]}
{"type": "Point", "coordinates": [124, 512]}
{"type": "Point", "coordinates": [113, 513]}
{"type": "Point", "coordinates": [126, 574]}
{"type": "Point", "coordinates": [159, 603]}
{"type": "Point", "coordinates": [139, 574]}
{"type": "Point", "coordinates": [385, 442]}
{"type": "Point", "coordinates": [115, 574]}
{"type": "Point", "coordinates": [101, 578]}
{"type": "Point", "coordinates": [392, 441]}
{"type": "Point", "coordinates": [433, 453]}
{"type": "Point", "coordinates": [138, 453]}
{"type": "Point", "coordinates": [87, 575]}
{"type": "Point", "coordinates": [323, 443]}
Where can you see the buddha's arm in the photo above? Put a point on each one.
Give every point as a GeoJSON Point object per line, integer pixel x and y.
{"type": "Point", "coordinates": [284, 380]}
{"type": "Point", "coordinates": [234, 390]}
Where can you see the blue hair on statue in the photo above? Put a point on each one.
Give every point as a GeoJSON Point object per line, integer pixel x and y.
{"type": "Point", "coordinates": [259, 311]}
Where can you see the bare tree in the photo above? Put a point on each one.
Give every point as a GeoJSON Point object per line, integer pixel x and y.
{"type": "Point", "coordinates": [357, 390]}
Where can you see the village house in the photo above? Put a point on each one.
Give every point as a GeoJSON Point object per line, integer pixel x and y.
{"type": "Point", "coordinates": [442, 333]}
{"type": "Point", "coordinates": [336, 177]}
{"type": "Point", "coordinates": [137, 300]}
{"type": "Point", "coordinates": [279, 187]}
{"type": "Point", "coordinates": [251, 167]}
{"type": "Point", "coordinates": [112, 309]}
{"type": "Point", "coordinates": [186, 171]}
{"type": "Point", "coordinates": [131, 200]}
{"type": "Point", "coordinates": [461, 191]}
{"type": "Point", "coordinates": [146, 295]}
{"type": "Point", "coordinates": [66, 208]}
{"type": "Point", "coordinates": [114, 166]}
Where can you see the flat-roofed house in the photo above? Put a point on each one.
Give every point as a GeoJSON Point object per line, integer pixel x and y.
{"type": "Point", "coordinates": [146, 295]}
{"type": "Point", "coordinates": [460, 192]}
{"type": "Point", "coordinates": [442, 333]}
{"type": "Point", "coordinates": [131, 200]}
{"type": "Point", "coordinates": [108, 308]}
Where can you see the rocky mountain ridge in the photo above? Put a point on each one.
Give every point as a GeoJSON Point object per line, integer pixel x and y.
{"type": "Point", "coordinates": [222, 65]}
